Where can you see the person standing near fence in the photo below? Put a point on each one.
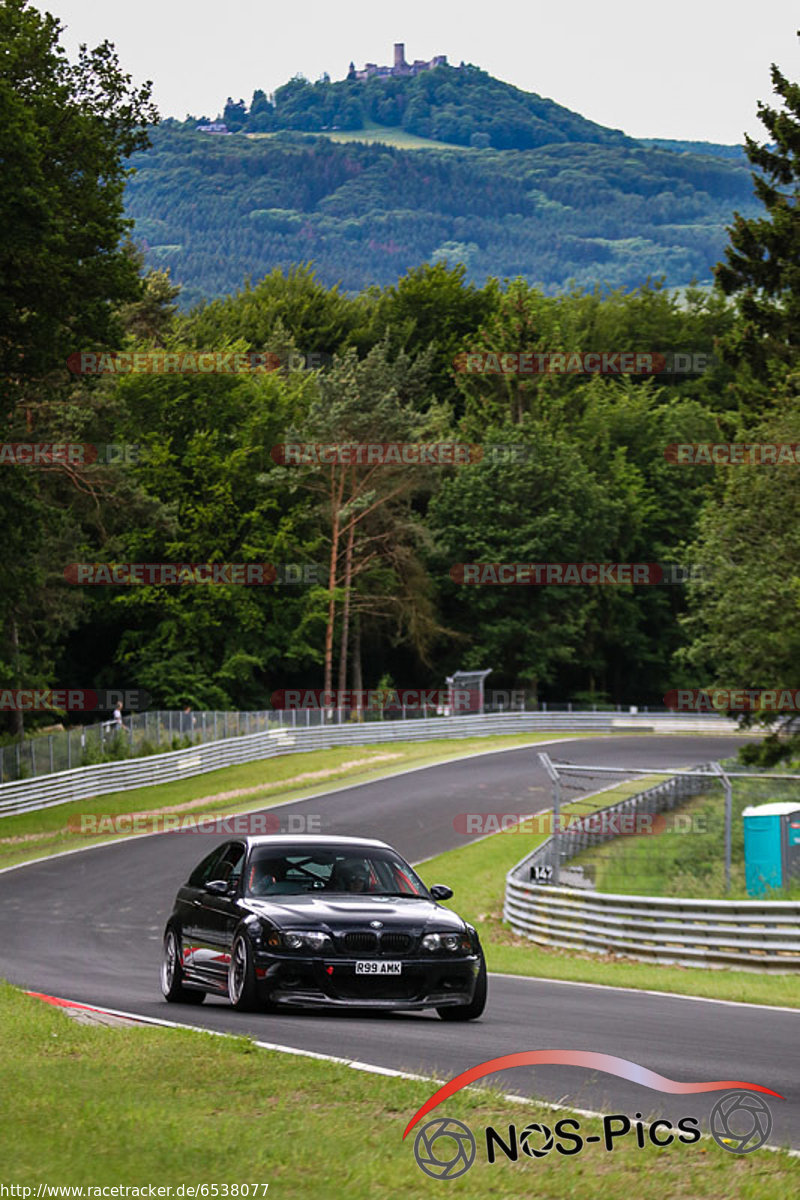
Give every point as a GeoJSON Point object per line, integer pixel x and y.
{"type": "Point", "coordinates": [188, 720]}
{"type": "Point", "coordinates": [117, 717]}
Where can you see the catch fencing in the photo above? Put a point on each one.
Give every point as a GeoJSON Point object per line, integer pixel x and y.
{"type": "Point", "coordinates": [137, 734]}
{"type": "Point", "coordinates": [143, 733]}
{"type": "Point", "coordinates": [755, 935]}
{"type": "Point", "coordinates": [80, 783]}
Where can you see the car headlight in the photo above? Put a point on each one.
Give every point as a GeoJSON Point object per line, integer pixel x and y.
{"type": "Point", "coordinates": [452, 942]}
{"type": "Point", "coordinates": [307, 939]}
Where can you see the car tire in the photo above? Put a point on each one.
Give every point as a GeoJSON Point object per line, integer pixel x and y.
{"type": "Point", "coordinates": [172, 984]}
{"type": "Point", "coordinates": [469, 1012]}
{"type": "Point", "coordinates": [242, 991]}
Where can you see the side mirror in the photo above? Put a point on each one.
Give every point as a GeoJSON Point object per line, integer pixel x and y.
{"type": "Point", "coordinates": [440, 891]}
{"type": "Point", "coordinates": [217, 887]}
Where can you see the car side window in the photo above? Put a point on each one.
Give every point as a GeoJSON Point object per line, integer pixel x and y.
{"type": "Point", "coordinates": [202, 873]}
{"type": "Point", "coordinates": [230, 865]}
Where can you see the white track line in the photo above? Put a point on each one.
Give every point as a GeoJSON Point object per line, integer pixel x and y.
{"type": "Point", "coordinates": [609, 987]}
{"type": "Point", "coordinates": [354, 1064]}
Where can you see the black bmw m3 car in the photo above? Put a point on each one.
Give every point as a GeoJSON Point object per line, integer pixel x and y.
{"type": "Point", "coordinates": [329, 921]}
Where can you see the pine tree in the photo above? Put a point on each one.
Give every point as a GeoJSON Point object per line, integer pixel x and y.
{"type": "Point", "coordinates": [763, 258]}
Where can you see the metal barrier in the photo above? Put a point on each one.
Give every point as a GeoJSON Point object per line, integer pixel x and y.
{"type": "Point", "coordinates": [83, 782]}
{"type": "Point", "coordinates": [756, 935]}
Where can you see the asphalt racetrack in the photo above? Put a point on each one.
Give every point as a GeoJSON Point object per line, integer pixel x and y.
{"type": "Point", "coordinates": [88, 927]}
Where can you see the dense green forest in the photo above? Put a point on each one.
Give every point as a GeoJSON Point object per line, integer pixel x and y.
{"type": "Point", "coordinates": [217, 209]}
{"type": "Point", "coordinates": [464, 105]}
{"type": "Point", "coordinates": [593, 483]}
{"type": "Point", "coordinates": [538, 191]}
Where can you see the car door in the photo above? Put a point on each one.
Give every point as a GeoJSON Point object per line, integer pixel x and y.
{"type": "Point", "coordinates": [217, 915]}
{"type": "Point", "coordinates": [189, 907]}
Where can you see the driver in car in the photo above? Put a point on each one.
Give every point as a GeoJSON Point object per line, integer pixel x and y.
{"type": "Point", "coordinates": [354, 877]}
{"type": "Point", "coordinates": [265, 875]}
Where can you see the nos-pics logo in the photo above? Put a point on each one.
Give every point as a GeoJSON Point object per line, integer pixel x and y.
{"type": "Point", "coordinates": [446, 1148]}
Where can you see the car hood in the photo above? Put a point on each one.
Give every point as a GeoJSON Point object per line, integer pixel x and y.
{"type": "Point", "coordinates": [339, 912]}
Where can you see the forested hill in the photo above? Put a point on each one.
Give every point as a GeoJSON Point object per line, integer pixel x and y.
{"type": "Point", "coordinates": [217, 209]}
{"type": "Point", "coordinates": [461, 105]}
{"type": "Point", "coordinates": [716, 149]}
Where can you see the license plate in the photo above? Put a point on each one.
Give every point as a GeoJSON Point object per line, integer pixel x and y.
{"type": "Point", "coordinates": [378, 968]}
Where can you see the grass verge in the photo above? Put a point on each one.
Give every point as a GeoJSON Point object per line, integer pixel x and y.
{"type": "Point", "coordinates": [477, 873]}
{"type": "Point", "coordinates": [147, 1106]}
{"type": "Point", "coordinates": [246, 788]}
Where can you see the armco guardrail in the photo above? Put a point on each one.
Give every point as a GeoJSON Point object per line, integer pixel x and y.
{"type": "Point", "coordinates": [83, 782]}
{"type": "Point", "coordinates": [754, 935]}
{"type": "Point", "coordinates": [749, 935]}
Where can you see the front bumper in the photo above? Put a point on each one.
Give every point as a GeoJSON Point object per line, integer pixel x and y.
{"type": "Point", "coordinates": [332, 981]}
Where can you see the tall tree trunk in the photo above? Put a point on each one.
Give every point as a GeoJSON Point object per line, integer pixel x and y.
{"type": "Point", "coordinates": [348, 578]}
{"type": "Point", "coordinates": [17, 718]}
{"type": "Point", "coordinates": [358, 679]}
{"type": "Point", "coordinates": [336, 495]}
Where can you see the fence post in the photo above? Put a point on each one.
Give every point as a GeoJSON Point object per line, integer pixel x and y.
{"type": "Point", "coordinates": [33, 760]}
{"type": "Point", "coordinates": [557, 827]}
{"type": "Point", "coordinates": [726, 783]}
{"type": "Point", "coordinates": [69, 747]}
{"type": "Point", "coordinates": [50, 748]}
{"type": "Point", "coordinates": [546, 762]}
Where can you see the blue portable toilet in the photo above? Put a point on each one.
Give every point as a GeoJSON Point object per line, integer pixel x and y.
{"type": "Point", "coordinates": [771, 845]}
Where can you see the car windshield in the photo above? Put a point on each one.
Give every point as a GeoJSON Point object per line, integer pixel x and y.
{"type": "Point", "coordinates": [290, 871]}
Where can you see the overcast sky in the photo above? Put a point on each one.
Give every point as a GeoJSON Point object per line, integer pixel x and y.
{"type": "Point", "coordinates": [685, 69]}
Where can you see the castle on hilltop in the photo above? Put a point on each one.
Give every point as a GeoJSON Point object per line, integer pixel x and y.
{"type": "Point", "coordinates": [401, 67]}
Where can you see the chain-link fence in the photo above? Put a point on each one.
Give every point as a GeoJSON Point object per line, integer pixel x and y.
{"type": "Point", "coordinates": [137, 735]}
{"type": "Point", "coordinates": [682, 836]}
{"type": "Point", "coordinates": [140, 734]}
{"type": "Point", "coordinates": [145, 733]}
